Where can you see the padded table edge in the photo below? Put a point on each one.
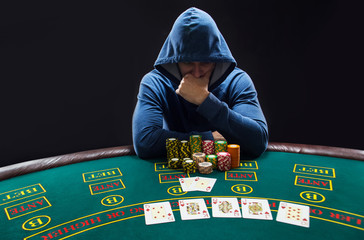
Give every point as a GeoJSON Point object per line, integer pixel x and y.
{"type": "Point", "coordinates": [57, 161]}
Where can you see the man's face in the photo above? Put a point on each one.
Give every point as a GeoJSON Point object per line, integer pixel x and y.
{"type": "Point", "coordinates": [197, 69]}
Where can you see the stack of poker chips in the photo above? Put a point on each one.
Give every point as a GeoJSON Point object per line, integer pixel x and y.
{"type": "Point", "coordinates": [199, 157]}
{"type": "Point", "coordinates": [208, 147]}
{"type": "Point", "coordinates": [185, 151]}
{"type": "Point", "coordinates": [172, 146]}
{"type": "Point", "coordinates": [205, 167]}
{"type": "Point", "coordinates": [220, 146]}
{"type": "Point", "coordinates": [212, 158]}
{"type": "Point", "coordinates": [195, 143]}
{"type": "Point", "coordinates": [174, 163]}
{"type": "Point", "coordinates": [234, 151]}
{"type": "Point", "coordinates": [189, 165]}
{"type": "Point", "coordinates": [223, 161]}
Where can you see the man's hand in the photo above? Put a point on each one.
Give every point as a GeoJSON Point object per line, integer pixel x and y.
{"type": "Point", "coordinates": [194, 90]}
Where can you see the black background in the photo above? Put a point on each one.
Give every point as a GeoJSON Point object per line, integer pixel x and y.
{"type": "Point", "coordinates": [70, 71]}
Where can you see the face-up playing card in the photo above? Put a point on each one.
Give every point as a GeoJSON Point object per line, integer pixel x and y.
{"type": "Point", "coordinates": [193, 209]}
{"type": "Point", "coordinates": [256, 209]}
{"type": "Point", "coordinates": [225, 207]}
{"type": "Point", "coordinates": [197, 184]}
{"type": "Point", "coordinates": [186, 183]}
{"type": "Point", "coordinates": [202, 184]}
{"type": "Point", "coordinates": [158, 213]}
{"type": "Point", "coordinates": [294, 214]}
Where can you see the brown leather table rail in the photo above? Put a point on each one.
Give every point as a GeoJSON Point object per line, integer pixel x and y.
{"type": "Point", "coordinates": [57, 161]}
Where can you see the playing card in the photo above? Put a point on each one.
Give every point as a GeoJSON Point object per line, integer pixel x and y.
{"type": "Point", "coordinates": [294, 214]}
{"type": "Point", "coordinates": [158, 213]}
{"type": "Point", "coordinates": [225, 207]}
{"type": "Point", "coordinates": [202, 184]}
{"type": "Point", "coordinates": [256, 209]}
{"type": "Point", "coordinates": [186, 183]}
{"type": "Point", "coordinates": [193, 209]}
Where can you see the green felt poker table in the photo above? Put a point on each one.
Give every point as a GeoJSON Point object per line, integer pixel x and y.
{"type": "Point", "coordinates": [100, 194]}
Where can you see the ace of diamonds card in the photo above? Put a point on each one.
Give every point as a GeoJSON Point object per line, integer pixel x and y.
{"type": "Point", "coordinates": [158, 213]}
{"type": "Point", "coordinates": [294, 214]}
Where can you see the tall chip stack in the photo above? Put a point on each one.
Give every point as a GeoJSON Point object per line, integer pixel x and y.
{"type": "Point", "coordinates": [196, 143]}
{"type": "Point", "coordinates": [185, 151]}
{"type": "Point", "coordinates": [234, 151]}
{"type": "Point", "coordinates": [172, 146]}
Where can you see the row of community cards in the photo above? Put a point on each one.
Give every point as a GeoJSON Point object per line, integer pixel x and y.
{"type": "Point", "coordinates": [197, 184]}
{"type": "Point", "coordinates": [192, 209]}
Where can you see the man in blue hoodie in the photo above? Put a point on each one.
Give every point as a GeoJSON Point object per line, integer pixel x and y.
{"type": "Point", "coordinates": [196, 88]}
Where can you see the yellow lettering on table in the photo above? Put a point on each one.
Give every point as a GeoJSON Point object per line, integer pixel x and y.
{"type": "Point", "coordinates": [112, 200]}
{"type": "Point", "coordinates": [314, 170]}
{"type": "Point", "coordinates": [36, 222]}
{"type": "Point", "coordinates": [242, 189]}
{"type": "Point", "coordinates": [101, 174]}
{"type": "Point", "coordinates": [21, 193]}
{"type": "Point", "coordinates": [176, 191]}
{"type": "Point", "coordinates": [312, 196]}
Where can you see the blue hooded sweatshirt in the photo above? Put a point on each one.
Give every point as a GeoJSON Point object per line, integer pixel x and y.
{"type": "Point", "coordinates": [232, 107]}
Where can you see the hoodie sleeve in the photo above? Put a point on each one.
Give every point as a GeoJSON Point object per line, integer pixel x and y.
{"type": "Point", "coordinates": [149, 136]}
{"type": "Point", "coordinates": [240, 119]}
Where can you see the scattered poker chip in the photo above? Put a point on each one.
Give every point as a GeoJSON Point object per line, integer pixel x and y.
{"type": "Point", "coordinates": [220, 146]}
{"type": "Point", "coordinates": [212, 158]}
{"type": "Point", "coordinates": [205, 167]}
{"type": "Point", "coordinates": [208, 147]}
{"type": "Point", "coordinates": [223, 161]}
{"type": "Point", "coordinates": [195, 143]}
{"type": "Point", "coordinates": [172, 146]}
{"type": "Point", "coordinates": [199, 157]}
{"type": "Point", "coordinates": [234, 151]}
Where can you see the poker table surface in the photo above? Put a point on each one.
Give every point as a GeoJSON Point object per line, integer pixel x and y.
{"type": "Point", "coordinates": [99, 194]}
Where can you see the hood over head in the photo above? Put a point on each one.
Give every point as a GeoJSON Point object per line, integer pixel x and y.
{"type": "Point", "coordinates": [195, 38]}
